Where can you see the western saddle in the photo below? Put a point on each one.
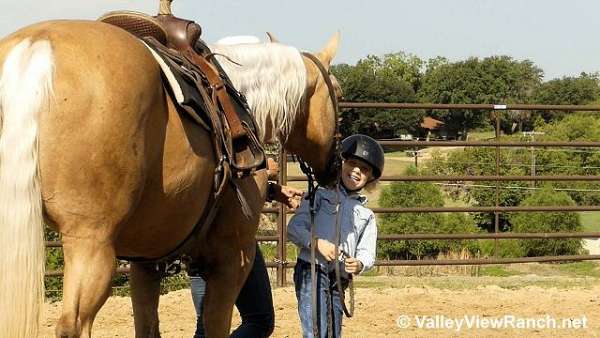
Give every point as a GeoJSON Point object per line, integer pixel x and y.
{"type": "Point", "coordinates": [212, 101]}
{"type": "Point", "coordinates": [178, 41]}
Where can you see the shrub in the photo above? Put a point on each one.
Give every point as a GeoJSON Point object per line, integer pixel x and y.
{"type": "Point", "coordinates": [548, 222]}
{"type": "Point", "coordinates": [418, 194]}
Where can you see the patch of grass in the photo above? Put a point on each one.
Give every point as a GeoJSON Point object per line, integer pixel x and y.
{"type": "Point", "coordinates": [451, 202]}
{"type": "Point", "coordinates": [497, 271]}
{"type": "Point", "coordinates": [396, 166]}
{"type": "Point", "coordinates": [481, 135]}
{"type": "Point", "coordinates": [370, 273]}
{"type": "Point", "coordinates": [400, 153]}
{"type": "Point", "coordinates": [590, 220]}
{"type": "Point", "coordinates": [269, 251]}
{"type": "Point", "coordinates": [580, 269]}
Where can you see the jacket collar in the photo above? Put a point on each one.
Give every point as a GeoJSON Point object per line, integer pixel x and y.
{"type": "Point", "coordinates": [355, 195]}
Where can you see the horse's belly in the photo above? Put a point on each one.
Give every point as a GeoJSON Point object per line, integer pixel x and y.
{"type": "Point", "coordinates": [177, 191]}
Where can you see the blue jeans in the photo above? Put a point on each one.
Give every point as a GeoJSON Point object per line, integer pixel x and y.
{"type": "Point", "coordinates": [255, 303]}
{"type": "Point", "coordinates": [326, 291]}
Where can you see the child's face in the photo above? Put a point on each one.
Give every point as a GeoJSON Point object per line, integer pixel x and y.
{"type": "Point", "coordinates": [355, 173]}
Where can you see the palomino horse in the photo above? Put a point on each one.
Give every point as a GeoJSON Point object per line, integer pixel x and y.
{"type": "Point", "coordinates": [92, 144]}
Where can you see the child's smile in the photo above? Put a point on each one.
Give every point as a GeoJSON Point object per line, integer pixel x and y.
{"type": "Point", "coordinates": [355, 173]}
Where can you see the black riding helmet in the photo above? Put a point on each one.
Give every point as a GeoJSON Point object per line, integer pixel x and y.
{"type": "Point", "coordinates": [366, 149]}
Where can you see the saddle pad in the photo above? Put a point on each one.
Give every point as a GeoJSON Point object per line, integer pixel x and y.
{"type": "Point", "coordinates": [184, 93]}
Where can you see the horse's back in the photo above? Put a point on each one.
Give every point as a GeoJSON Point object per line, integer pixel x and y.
{"type": "Point", "coordinates": [116, 159]}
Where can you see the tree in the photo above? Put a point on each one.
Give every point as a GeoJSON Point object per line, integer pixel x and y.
{"type": "Point", "coordinates": [392, 78]}
{"type": "Point", "coordinates": [567, 90]}
{"type": "Point", "coordinates": [548, 222]}
{"type": "Point", "coordinates": [419, 194]}
{"type": "Point", "coordinates": [575, 161]}
{"type": "Point", "coordinates": [482, 162]}
{"type": "Point", "coordinates": [495, 79]}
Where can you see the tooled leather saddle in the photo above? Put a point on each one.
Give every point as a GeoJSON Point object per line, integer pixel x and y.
{"type": "Point", "coordinates": [201, 88]}
{"type": "Point", "coordinates": [205, 92]}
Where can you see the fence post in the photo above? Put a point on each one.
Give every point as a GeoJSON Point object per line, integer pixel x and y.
{"type": "Point", "coordinates": [496, 213]}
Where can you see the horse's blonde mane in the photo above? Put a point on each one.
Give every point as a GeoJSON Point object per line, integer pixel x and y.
{"type": "Point", "coordinates": [272, 76]}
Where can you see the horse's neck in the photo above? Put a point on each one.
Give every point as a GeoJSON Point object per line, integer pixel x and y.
{"type": "Point", "coordinates": [273, 79]}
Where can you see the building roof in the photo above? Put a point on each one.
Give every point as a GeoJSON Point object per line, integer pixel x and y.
{"type": "Point", "coordinates": [431, 123]}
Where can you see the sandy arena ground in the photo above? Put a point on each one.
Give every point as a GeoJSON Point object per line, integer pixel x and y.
{"type": "Point", "coordinates": [377, 310]}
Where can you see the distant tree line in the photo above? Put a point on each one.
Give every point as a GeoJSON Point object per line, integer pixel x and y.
{"type": "Point", "coordinates": [402, 77]}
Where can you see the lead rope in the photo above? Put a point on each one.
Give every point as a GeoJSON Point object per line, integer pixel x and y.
{"type": "Point", "coordinates": [311, 196]}
{"type": "Point", "coordinates": [312, 188]}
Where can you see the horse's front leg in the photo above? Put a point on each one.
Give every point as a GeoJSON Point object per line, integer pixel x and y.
{"type": "Point", "coordinates": [145, 292]}
{"type": "Point", "coordinates": [224, 282]}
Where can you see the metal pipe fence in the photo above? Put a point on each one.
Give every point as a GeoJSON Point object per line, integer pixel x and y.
{"type": "Point", "coordinates": [281, 264]}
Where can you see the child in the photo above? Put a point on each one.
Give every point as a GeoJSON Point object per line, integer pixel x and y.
{"type": "Point", "coordinates": [362, 165]}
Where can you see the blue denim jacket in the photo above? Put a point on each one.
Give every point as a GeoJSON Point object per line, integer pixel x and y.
{"type": "Point", "coordinates": [358, 226]}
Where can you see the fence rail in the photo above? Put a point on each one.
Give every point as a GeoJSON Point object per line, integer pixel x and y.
{"type": "Point", "coordinates": [282, 212]}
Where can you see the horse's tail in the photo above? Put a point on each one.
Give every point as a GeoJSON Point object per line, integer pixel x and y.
{"type": "Point", "coordinates": [25, 89]}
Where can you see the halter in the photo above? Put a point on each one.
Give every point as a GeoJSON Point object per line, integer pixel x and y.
{"type": "Point", "coordinates": [335, 166]}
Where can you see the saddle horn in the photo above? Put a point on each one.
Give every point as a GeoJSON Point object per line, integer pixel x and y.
{"type": "Point", "coordinates": [165, 7]}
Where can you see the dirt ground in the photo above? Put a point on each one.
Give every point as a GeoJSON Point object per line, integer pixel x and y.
{"type": "Point", "coordinates": [378, 309]}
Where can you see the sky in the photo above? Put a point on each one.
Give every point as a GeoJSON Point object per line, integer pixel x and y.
{"type": "Point", "coordinates": [559, 36]}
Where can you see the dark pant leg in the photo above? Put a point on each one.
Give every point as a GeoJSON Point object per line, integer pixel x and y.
{"type": "Point", "coordinates": [198, 288]}
{"type": "Point", "coordinates": [255, 303]}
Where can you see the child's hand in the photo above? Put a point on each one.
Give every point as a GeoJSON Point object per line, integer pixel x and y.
{"type": "Point", "coordinates": [353, 265]}
{"type": "Point", "coordinates": [326, 249]}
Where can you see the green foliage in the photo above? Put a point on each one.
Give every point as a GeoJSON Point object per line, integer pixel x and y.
{"type": "Point", "coordinates": [495, 79]}
{"type": "Point", "coordinates": [419, 194]}
{"type": "Point", "coordinates": [574, 127]}
{"type": "Point", "coordinates": [568, 90]}
{"type": "Point", "coordinates": [548, 222]}
{"type": "Point", "coordinates": [497, 271]}
{"type": "Point", "coordinates": [393, 78]}
{"type": "Point", "coordinates": [402, 77]}
{"type": "Point", "coordinates": [507, 248]}
{"type": "Point", "coordinates": [574, 161]}
{"type": "Point", "coordinates": [580, 269]}
{"type": "Point", "coordinates": [54, 262]}
{"type": "Point", "coordinates": [520, 162]}
{"type": "Point", "coordinates": [482, 162]}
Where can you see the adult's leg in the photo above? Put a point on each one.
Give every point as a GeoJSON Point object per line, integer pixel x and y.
{"type": "Point", "coordinates": [255, 303]}
{"type": "Point", "coordinates": [198, 288]}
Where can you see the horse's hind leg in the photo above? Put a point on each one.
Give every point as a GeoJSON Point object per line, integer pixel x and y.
{"type": "Point", "coordinates": [145, 292]}
{"type": "Point", "coordinates": [224, 282]}
{"type": "Point", "coordinates": [89, 267]}
{"type": "Point", "coordinates": [228, 251]}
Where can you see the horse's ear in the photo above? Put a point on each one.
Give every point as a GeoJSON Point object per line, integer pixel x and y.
{"type": "Point", "coordinates": [272, 37]}
{"type": "Point", "coordinates": [328, 52]}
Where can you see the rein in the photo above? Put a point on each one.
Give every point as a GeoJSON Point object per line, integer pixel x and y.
{"type": "Point", "coordinates": [312, 188]}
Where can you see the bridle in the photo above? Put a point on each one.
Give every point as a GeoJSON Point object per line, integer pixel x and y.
{"type": "Point", "coordinates": [334, 166]}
